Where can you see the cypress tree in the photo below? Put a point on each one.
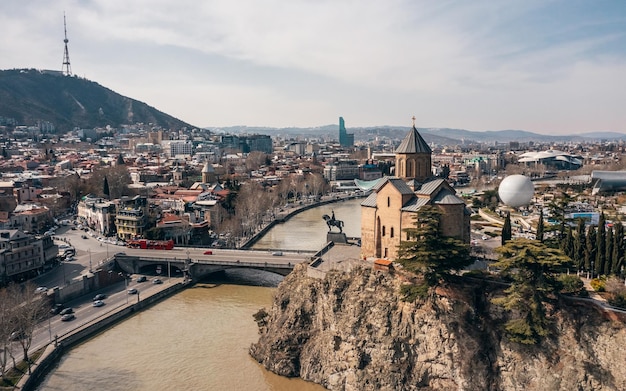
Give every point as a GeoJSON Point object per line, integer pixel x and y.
{"type": "Point", "coordinates": [618, 248]}
{"type": "Point", "coordinates": [609, 252]}
{"type": "Point", "coordinates": [590, 247]}
{"type": "Point", "coordinates": [579, 245]}
{"type": "Point", "coordinates": [105, 187]}
{"type": "Point", "coordinates": [506, 229]}
{"type": "Point", "coordinates": [567, 245]}
{"type": "Point", "coordinates": [601, 245]}
{"type": "Point", "coordinates": [539, 235]}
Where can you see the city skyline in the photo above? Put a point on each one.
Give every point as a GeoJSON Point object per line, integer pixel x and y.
{"type": "Point", "coordinates": [546, 67]}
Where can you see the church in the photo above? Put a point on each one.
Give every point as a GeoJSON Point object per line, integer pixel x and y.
{"type": "Point", "coordinates": [395, 201]}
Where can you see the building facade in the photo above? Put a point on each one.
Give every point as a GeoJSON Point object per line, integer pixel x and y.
{"type": "Point", "coordinates": [395, 202]}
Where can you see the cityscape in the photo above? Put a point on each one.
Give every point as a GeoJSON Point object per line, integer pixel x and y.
{"type": "Point", "coordinates": [397, 196]}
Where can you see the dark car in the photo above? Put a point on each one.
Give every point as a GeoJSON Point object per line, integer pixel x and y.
{"type": "Point", "coordinates": [83, 236]}
{"type": "Point", "coordinates": [67, 317]}
{"type": "Point", "coordinates": [99, 296]}
{"type": "Point", "coordinates": [17, 335]}
{"type": "Point", "coordinates": [56, 309]}
{"type": "Point", "coordinates": [66, 311]}
{"type": "Point", "coordinates": [208, 252]}
{"type": "Point", "coordinates": [142, 279]}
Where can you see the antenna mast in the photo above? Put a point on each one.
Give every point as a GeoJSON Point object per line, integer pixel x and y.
{"type": "Point", "coordinates": [67, 69]}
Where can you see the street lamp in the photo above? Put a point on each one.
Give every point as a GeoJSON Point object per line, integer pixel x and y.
{"type": "Point", "coordinates": [125, 285]}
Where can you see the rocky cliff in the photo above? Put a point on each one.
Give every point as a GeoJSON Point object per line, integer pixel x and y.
{"type": "Point", "coordinates": [351, 331]}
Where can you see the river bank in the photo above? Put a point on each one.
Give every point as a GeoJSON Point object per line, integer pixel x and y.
{"type": "Point", "coordinates": [52, 353]}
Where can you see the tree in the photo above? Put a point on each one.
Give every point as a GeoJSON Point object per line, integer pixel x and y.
{"type": "Point", "coordinates": [590, 247]}
{"type": "Point", "coordinates": [539, 235]}
{"type": "Point", "coordinates": [618, 248]}
{"type": "Point", "coordinates": [105, 187]}
{"type": "Point", "coordinates": [507, 232]}
{"type": "Point", "coordinates": [120, 160]}
{"type": "Point", "coordinates": [427, 251]}
{"type": "Point", "coordinates": [579, 245]}
{"type": "Point", "coordinates": [534, 267]}
{"type": "Point", "coordinates": [608, 265]}
{"type": "Point", "coordinates": [601, 245]}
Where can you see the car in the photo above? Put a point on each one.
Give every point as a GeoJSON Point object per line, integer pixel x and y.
{"type": "Point", "coordinates": [99, 296]}
{"type": "Point", "coordinates": [69, 258]}
{"type": "Point", "coordinates": [208, 252]}
{"type": "Point", "coordinates": [41, 289]}
{"type": "Point", "coordinates": [73, 228]}
{"type": "Point", "coordinates": [132, 291]}
{"type": "Point", "coordinates": [277, 253]}
{"type": "Point", "coordinates": [142, 279]}
{"type": "Point", "coordinates": [157, 281]}
{"type": "Point", "coordinates": [67, 317]}
{"type": "Point", "coordinates": [485, 237]}
{"type": "Point", "coordinates": [66, 311]}
{"type": "Point", "coordinates": [83, 236]}
{"type": "Point", "coordinates": [98, 303]}
{"type": "Point", "coordinates": [17, 335]}
{"type": "Point", "coordinates": [56, 309]}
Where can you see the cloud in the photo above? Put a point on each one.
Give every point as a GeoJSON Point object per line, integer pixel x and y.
{"type": "Point", "coordinates": [479, 64]}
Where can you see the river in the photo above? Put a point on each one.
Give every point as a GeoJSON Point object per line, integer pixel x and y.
{"type": "Point", "coordinates": [307, 230]}
{"type": "Point", "coordinates": [199, 338]}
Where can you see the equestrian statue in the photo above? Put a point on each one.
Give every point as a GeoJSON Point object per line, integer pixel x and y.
{"type": "Point", "coordinates": [332, 222]}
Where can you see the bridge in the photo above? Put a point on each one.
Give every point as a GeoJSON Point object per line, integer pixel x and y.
{"type": "Point", "coordinates": [199, 263]}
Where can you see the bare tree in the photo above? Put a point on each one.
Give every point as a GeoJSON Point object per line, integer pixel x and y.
{"type": "Point", "coordinates": [27, 314]}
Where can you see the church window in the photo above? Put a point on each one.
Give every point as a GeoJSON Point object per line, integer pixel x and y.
{"type": "Point", "coordinates": [386, 253]}
{"type": "Point", "coordinates": [391, 232]}
{"type": "Point", "coordinates": [388, 202]}
{"type": "Point", "coordinates": [383, 230]}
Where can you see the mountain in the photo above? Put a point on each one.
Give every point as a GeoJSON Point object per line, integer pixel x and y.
{"type": "Point", "coordinates": [440, 136]}
{"type": "Point", "coordinates": [29, 96]}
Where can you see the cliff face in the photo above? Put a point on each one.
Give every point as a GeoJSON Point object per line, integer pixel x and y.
{"type": "Point", "coordinates": [352, 332]}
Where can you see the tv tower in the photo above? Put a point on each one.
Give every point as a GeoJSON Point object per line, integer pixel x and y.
{"type": "Point", "coordinates": [67, 69]}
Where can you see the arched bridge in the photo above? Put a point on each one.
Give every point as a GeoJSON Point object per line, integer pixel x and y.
{"type": "Point", "coordinates": [199, 264]}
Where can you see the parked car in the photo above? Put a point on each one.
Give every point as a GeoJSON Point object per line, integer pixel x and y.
{"type": "Point", "coordinates": [208, 252]}
{"type": "Point", "coordinates": [157, 281]}
{"type": "Point", "coordinates": [142, 279]}
{"type": "Point", "coordinates": [67, 317]}
{"type": "Point", "coordinates": [99, 296]}
{"type": "Point", "coordinates": [66, 311]}
{"type": "Point", "coordinates": [98, 303]}
{"type": "Point", "coordinates": [83, 236]}
{"type": "Point", "coordinates": [132, 291]}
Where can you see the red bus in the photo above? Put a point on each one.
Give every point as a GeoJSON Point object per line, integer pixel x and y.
{"type": "Point", "coordinates": [151, 244]}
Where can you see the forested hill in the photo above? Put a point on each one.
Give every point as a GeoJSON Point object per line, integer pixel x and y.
{"type": "Point", "coordinates": [28, 96]}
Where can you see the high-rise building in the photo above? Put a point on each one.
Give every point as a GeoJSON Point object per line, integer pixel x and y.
{"type": "Point", "coordinates": [345, 139]}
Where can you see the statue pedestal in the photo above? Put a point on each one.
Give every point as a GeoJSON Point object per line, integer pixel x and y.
{"type": "Point", "coordinates": [336, 237]}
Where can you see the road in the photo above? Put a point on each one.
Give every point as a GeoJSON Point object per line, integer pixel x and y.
{"type": "Point", "coordinates": [85, 312]}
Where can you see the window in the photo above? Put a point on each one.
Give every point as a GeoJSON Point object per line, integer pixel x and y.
{"type": "Point", "coordinates": [383, 230]}
{"type": "Point", "coordinates": [388, 202]}
{"type": "Point", "coordinates": [391, 232]}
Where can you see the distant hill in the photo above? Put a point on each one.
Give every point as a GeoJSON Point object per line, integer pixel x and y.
{"type": "Point", "coordinates": [29, 96]}
{"type": "Point", "coordinates": [441, 136]}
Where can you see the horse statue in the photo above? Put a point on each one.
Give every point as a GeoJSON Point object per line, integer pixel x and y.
{"type": "Point", "coordinates": [332, 222]}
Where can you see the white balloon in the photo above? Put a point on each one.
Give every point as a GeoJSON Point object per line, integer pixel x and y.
{"type": "Point", "coordinates": [516, 190]}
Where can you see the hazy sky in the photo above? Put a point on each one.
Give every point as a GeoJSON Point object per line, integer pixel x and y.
{"type": "Point", "coordinates": [551, 67]}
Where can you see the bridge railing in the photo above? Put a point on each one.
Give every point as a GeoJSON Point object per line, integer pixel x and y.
{"type": "Point", "coordinates": [288, 265]}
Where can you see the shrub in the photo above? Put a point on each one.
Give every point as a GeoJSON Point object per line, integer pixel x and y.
{"type": "Point", "coordinates": [571, 285]}
{"type": "Point", "coordinates": [618, 300]}
{"type": "Point", "coordinates": [410, 293]}
{"type": "Point", "coordinates": [598, 284]}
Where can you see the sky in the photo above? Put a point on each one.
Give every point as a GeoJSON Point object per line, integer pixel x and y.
{"type": "Point", "coordinates": [550, 67]}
